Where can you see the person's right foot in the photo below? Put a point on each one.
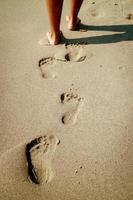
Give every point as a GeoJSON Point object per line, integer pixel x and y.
{"type": "Point", "coordinates": [73, 25]}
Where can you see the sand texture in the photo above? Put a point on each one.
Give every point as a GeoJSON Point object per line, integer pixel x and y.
{"type": "Point", "coordinates": [78, 94]}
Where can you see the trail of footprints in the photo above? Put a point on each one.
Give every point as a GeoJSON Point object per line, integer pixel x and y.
{"type": "Point", "coordinates": [40, 151]}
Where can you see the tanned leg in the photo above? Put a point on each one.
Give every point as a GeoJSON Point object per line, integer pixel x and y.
{"type": "Point", "coordinates": [54, 8]}
{"type": "Point", "coordinates": [72, 19]}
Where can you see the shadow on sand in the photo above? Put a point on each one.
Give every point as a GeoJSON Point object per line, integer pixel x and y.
{"type": "Point", "coordinates": [126, 34]}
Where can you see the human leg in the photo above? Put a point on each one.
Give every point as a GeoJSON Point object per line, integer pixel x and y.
{"type": "Point", "coordinates": [72, 19]}
{"type": "Point", "coordinates": [54, 8]}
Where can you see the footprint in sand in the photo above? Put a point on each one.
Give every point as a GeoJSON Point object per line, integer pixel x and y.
{"type": "Point", "coordinates": [44, 65]}
{"type": "Point", "coordinates": [75, 103]}
{"type": "Point", "coordinates": [39, 153]}
{"type": "Point", "coordinates": [69, 53]}
{"type": "Point", "coordinates": [76, 53]}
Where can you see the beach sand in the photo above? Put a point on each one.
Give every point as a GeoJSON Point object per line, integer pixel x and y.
{"type": "Point", "coordinates": [81, 93]}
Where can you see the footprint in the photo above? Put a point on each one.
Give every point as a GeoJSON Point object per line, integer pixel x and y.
{"type": "Point", "coordinates": [71, 116]}
{"type": "Point", "coordinates": [75, 53]}
{"type": "Point", "coordinates": [61, 53]}
{"type": "Point", "coordinates": [44, 64]}
{"type": "Point", "coordinates": [39, 153]}
{"type": "Point", "coordinates": [75, 103]}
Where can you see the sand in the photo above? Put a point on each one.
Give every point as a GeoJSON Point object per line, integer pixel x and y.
{"type": "Point", "coordinates": [94, 159]}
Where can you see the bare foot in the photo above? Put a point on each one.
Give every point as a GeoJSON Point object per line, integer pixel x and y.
{"type": "Point", "coordinates": [54, 39]}
{"type": "Point", "coordinates": [73, 25]}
